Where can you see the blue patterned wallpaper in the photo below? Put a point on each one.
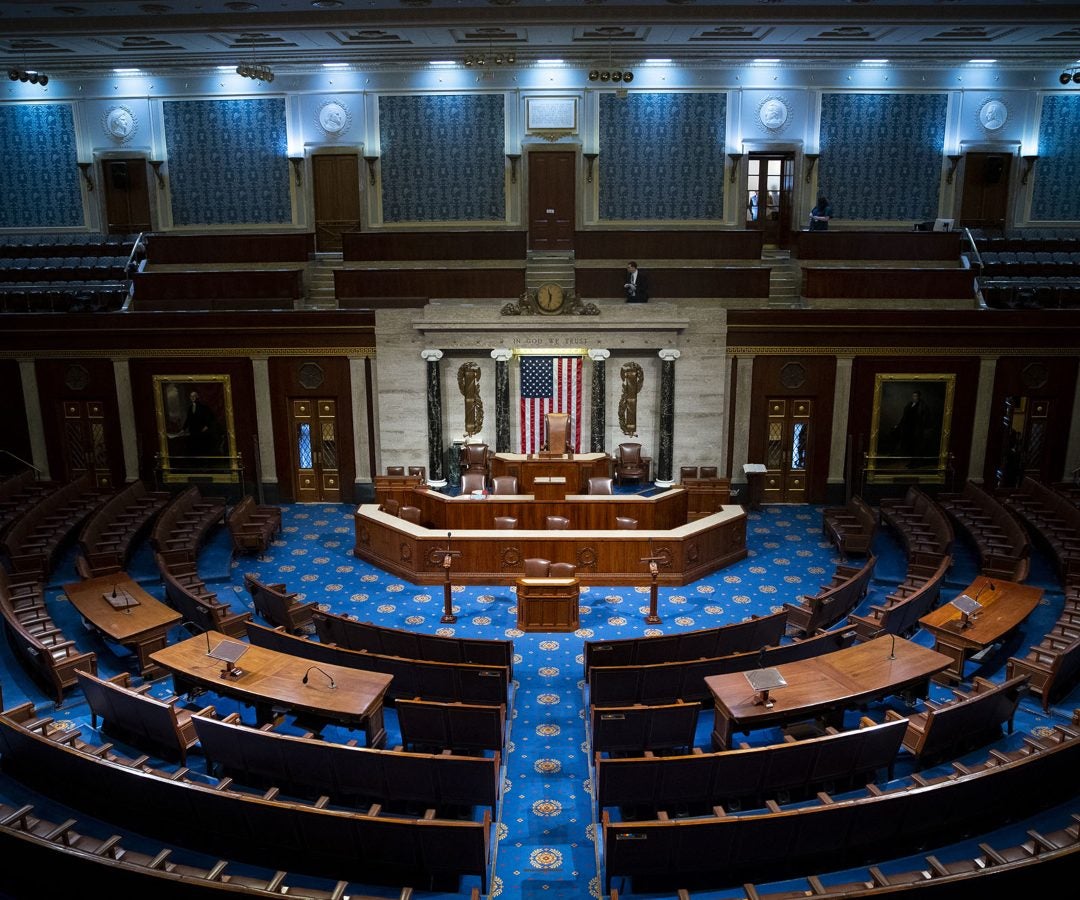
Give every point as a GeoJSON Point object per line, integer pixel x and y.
{"type": "Point", "coordinates": [1055, 195]}
{"type": "Point", "coordinates": [881, 154]}
{"type": "Point", "coordinates": [662, 156]}
{"type": "Point", "coordinates": [39, 181]}
{"type": "Point", "coordinates": [442, 158]}
{"type": "Point", "coordinates": [228, 162]}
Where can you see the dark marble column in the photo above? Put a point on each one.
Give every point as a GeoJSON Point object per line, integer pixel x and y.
{"type": "Point", "coordinates": [502, 355]}
{"type": "Point", "coordinates": [598, 432]}
{"type": "Point", "coordinates": [436, 470]}
{"type": "Point", "coordinates": [667, 418]}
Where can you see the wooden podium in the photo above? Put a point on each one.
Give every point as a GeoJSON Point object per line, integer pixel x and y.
{"type": "Point", "coordinates": [547, 604]}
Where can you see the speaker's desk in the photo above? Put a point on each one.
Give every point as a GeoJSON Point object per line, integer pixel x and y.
{"type": "Point", "coordinates": [823, 686]}
{"type": "Point", "coordinates": [547, 604]}
{"type": "Point", "coordinates": [576, 469]}
{"type": "Point", "coordinates": [271, 679]}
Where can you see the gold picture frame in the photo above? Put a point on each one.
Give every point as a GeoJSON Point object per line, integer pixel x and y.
{"type": "Point", "coordinates": [196, 432]}
{"type": "Point", "coordinates": [911, 428]}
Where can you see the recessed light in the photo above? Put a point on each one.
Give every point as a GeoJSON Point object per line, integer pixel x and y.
{"type": "Point", "coordinates": [126, 71]}
{"type": "Point", "coordinates": [335, 65]}
{"type": "Point", "coordinates": [984, 61]}
{"type": "Point", "coordinates": [658, 61]}
{"type": "Point", "coordinates": [549, 62]}
{"type": "Point", "coordinates": [767, 60]}
{"type": "Point", "coordinates": [442, 63]}
{"type": "Point", "coordinates": [875, 62]}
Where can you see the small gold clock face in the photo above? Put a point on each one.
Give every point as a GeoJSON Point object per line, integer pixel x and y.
{"type": "Point", "coordinates": [549, 298]}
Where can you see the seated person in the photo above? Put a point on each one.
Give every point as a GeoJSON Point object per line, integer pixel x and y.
{"type": "Point", "coordinates": [820, 215]}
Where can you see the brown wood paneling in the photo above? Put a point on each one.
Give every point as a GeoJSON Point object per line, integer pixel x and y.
{"type": "Point", "coordinates": [576, 472]}
{"type": "Point", "coordinates": [13, 414]}
{"type": "Point", "coordinates": [808, 377]}
{"type": "Point", "coordinates": [652, 245]}
{"type": "Point", "coordinates": [552, 198]}
{"type": "Point", "coordinates": [262, 284]}
{"type": "Point", "coordinates": [886, 284]}
{"type": "Point", "coordinates": [230, 248]}
{"type": "Point", "coordinates": [924, 245]}
{"type": "Point", "coordinates": [469, 283]}
{"type": "Point", "coordinates": [127, 196]}
{"type": "Point", "coordinates": [78, 379]}
{"type": "Point", "coordinates": [391, 245]}
{"type": "Point", "coordinates": [285, 384]}
{"type": "Point", "coordinates": [335, 188]}
{"type": "Point", "coordinates": [678, 281]}
{"type": "Point", "coordinates": [1052, 379]}
{"type": "Point", "coordinates": [243, 400]}
{"type": "Point", "coordinates": [860, 415]}
{"type": "Point", "coordinates": [499, 557]}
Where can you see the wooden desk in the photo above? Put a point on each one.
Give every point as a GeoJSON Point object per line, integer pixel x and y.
{"type": "Point", "coordinates": [273, 679]}
{"type": "Point", "coordinates": [549, 487]}
{"type": "Point", "coordinates": [547, 604]}
{"type": "Point", "coordinates": [823, 686]}
{"type": "Point", "coordinates": [577, 469]}
{"type": "Point", "coordinates": [1003, 608]}
{"type": "Point", "coordinates": [141, 627]}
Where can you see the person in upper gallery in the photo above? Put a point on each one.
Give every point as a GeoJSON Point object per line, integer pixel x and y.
{"type": "Point", "coordinates": [820, 214]}
{"type": "Point", "coordinates": [637, 284]}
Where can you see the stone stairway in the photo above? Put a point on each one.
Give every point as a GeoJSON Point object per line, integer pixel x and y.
{"type": "Point", "coordinates": [785, 283]}
{"type": "Point", "coordinates": [541, 268]}
{"type": "Point", "coordinates": [319, 281]}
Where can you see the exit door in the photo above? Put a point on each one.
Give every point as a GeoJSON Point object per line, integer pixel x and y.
{"type": "Point", "coordinates": [770, 185]}
{"type": "Point", "coordinates": [127, 195]}
{"type": "Point", "coordinates": [336, 189]}
{"type": "Point", "coordinates": [315, 450]}
{"type": "Point", "coordinates": [551, 201]}
{"type": "Point", "coordinates": [986, 189]}
{"type": "Point", "coordinates": [84, 444]}
{"type": "Point", "coordinates": [787, 450]}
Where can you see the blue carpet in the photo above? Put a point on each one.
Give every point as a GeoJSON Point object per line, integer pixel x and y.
{"type": "Point", "coordinates": [544, 839]}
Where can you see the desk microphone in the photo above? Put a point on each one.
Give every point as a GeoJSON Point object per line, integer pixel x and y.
{"type": "Point", "coordinates": [761, 658]}
{"type": "Point", "coordinates": [882, 632]}
{"type": "Point", "coordinates": [187, 622]}
{"type": "Point", "coordinates": [333, 684]}
{"type": "Point", "coordinates": [989, 585]}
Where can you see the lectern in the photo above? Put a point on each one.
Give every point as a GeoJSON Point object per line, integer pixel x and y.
{"type": "Point", "coordinates": [547, 604]}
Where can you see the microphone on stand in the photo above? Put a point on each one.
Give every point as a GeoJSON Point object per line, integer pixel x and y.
{"type": "Point", "coordinates": [761, 658]}
{"type": "Point", "coordinates": [333, 684]}
{"type": "Point", "coordinates": [195, 630]}
{"type": "Point", "coordinates": [892, 647]}
{"type": "Point", "coordinates": [990, 585]}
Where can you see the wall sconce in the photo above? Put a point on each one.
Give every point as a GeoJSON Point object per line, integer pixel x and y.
{"type": "Point", "coordinates": [1029, 164]}
{"type": "Point", "coordinates": [156, 165]}
{"type": "Point", "coordinates": [371, 160]}
{"type": "Point", "coordinates": [954, 161]}
{"type": "Point", "coordinates": [734, 157]}
{"type": "Point", "coordinates": [85, 169]}
{"type": "Point", "coordinates": [514, 158]}
{"type": "Point", "coordinates": [297, 167]}
{"type": "Point", "coordinates": [811, 161]}
{"type": "Point", "coordinates": [590, 160]}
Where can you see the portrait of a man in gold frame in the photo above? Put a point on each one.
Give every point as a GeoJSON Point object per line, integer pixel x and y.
{"type": "Point", "coordinates": [910, 429]}
{"type": "Point", "coordinates": [196, 434]}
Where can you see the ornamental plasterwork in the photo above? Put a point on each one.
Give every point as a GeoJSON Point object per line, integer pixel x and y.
{"type": "Point", "coordinates": [774, 114]}
{"type": "Point", "coordinates": [333, 118]}
{"type": "Point", "coordinates": [993, 114]}
{"type": "Point", "coordinates": [120, 123]}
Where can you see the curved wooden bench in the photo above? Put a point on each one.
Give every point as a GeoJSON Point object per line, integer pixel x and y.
{"type": "Point", "coordinates": [1003, 545]}
{"type": "Point", "coordinates": [851, 527]}
{"type": "Point", "coordinates": [107, 537]}
{"type": "Point", "coordinates": [910, 600]}
{"type": "Point", "coordinates": [252, 526]}
{"type": "Point", "coordinates": [921, 524]}
{"type": "Point", "coordinates": [276, 606]}
{"type": "Point", "coordinates": [834, 601]}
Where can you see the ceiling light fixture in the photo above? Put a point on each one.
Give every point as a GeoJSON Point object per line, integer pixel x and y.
{"type": "Point", "coordinates": [28, 75]}
{"type": "Point", "coordinates": [255, 72]}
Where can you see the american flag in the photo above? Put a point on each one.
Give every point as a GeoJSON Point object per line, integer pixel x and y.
{"type": "Point", "coordinates": [549, 384]}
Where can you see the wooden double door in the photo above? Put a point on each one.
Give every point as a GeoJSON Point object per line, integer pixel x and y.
{"type": "Point", "coordinates": [336, 189]}
{"type": "Point", "coordinates": [770, 190]}
{"type": "Point", "coordinates": [316, 449]}
{"type": "Point", "coordinates": [788, 449]}
{"type": "Point", "coordinates": [552, 209]}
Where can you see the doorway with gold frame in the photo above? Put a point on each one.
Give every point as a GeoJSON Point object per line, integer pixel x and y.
{"type": "Point", "coordinates": [787, 449]}
{"type": "Point", "coordinates": [316, 463]}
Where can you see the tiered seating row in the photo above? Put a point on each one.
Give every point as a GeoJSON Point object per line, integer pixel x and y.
{"type": "Point", "coordinates": [738, 637]}
{"type": "Point", "coordinates": [834, 601]}
{"type": "Point", "coordinates": [923, 527]}
{"type": "Point", "coordinates": [1054, 663]}
{"type": "Point", "coordinates": [459, 727]}
{"type": "Point", "coordinates": [110, 533]}
{"type": "Point", "coordinates": [43, 648]}
{"type": "Point", "coordinates": [910, 600]}
{"type": "Point", "coordinates": [345, 631]}
{"type": "Point", "coordinates": [63, 268]}
{"type": "Point", "coordinates": [63, 296]}
{"type": "Point", "coordinates": [70, 244]}
{"type": "Point", "coordinates": [188, 594]}
{"type": "Point", "coordinates": [1003, 545]}
{"type": "Point", "coordinates": [279, 607]}
{"type": "Point", "coordinates": [724, 849]}
{"type": "Point", "coordinates": [638, 730]}
{"type": "Point", "coordinates": [669, 682]}
{"type": "Point", "coordinates": [184, 524]}
{"type": "Point", "coordinates": [253, 526]}
{"type": "Point", "coordinates": [702, 780]}
{"type": "Point", "coordinates": [1055, 517]}
{"type": "Point", "coordinates": [442, 681]}
{"type": "Point", "coordinates": [851, 527]}
{"type": "Point", "coordinates": [260, 829]}
{"type": "Point", "coordinates": [19, 492]}
{"type": "Point", "coordinates": [1031, 292]}
{"type": "Point", "coordinates": [1031, 262]}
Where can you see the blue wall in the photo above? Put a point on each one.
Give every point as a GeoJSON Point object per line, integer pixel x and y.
{"type": "Point", "coordinates": [442, 158]}
{"type": "Point", "coordinates": [662, 156]}
{"type": "Point", "coordinates": [228, 162]}
{"type": "Point", "coordinates": [39, 181]}
{"type": "Point", "coordinates": [881, 154]}
{"type": "Point", "coordinates": [1056, 193]}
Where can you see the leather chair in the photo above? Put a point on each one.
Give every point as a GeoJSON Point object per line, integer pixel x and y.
{"type": "Point", "coordinates": [687, 472]}
{"type": "Point", "coordinates": [537, 567]}
{"type": "Point", "coordinates": [556, 523]}
{"type": "Point", "coordinates": [505, 522]}
{"type": "Point", "coordinates": [395, 470]}
{"type": "Point", "coordinates": [474, 458]}
{"type": "Point", "coordinates": [600, 484]}
{"type": "Point", "coordinates": [391, 507]}
{"type": "Point", "coordinates": [562, 570]}
{"type": "Point", "coordinates": [418, 471]}
{"type": "Point", "coordinates": [708, 471]}
{"type": "Point", "coordinates": [473, 481]}
{"type": "Point", "coordinates": [411, 514]}
{"type": "Point", "coordinates": [625, 523]}
{"type": "Point", "coordinates": [629, 463]}
{"type": "Point", "coordinates": [504, 484]}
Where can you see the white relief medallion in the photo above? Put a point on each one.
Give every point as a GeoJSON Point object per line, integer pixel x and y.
{"type": "Point", "coordinates": [334, 118]}
{"type": "Point", "coordinates": [993, 114]}
{"type": "Point", "coordinates": [120, 123]}
{"type": "Point", "coordinates": [773, 114]}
